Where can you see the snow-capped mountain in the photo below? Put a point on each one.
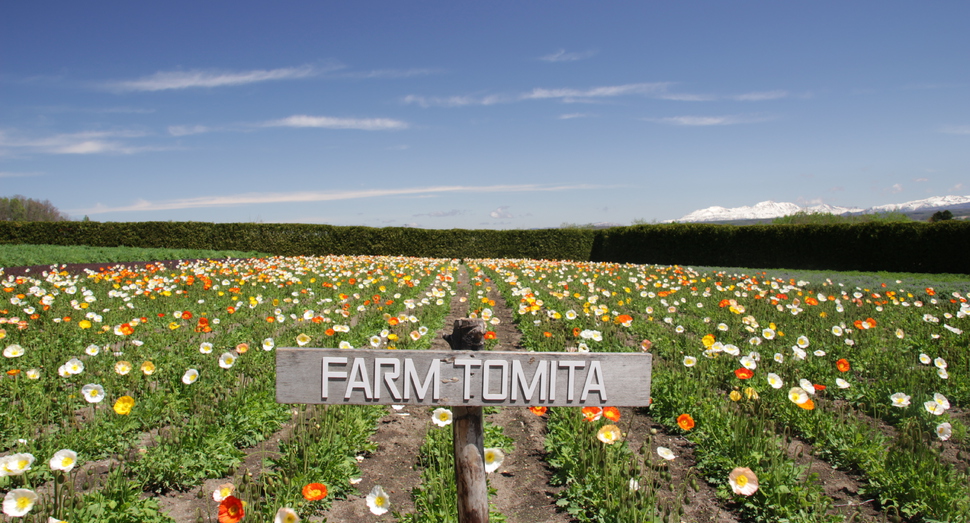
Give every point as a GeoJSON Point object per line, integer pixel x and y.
{"type": "Point", "coordinates": [769, 209]}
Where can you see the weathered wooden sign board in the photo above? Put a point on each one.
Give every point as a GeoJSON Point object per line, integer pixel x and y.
{"type": "Point", "coordinates": [461, 378]}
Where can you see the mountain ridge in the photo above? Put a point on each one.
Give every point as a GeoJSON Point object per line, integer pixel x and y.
{"type": "Point", "coordinates": [769, 209]}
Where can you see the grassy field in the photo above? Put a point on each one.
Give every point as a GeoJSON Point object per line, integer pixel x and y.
{"type": "Point", "coordinates": [22, 255]}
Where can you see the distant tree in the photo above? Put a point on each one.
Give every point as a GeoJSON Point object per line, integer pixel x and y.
{"type": "Point", "coordinates": [19, 208]}
{"type": "Point", "coordinates": [940, 216]}
{"type": "Point", "coordinates": [824, 218]}
{"type": "Point", "coordinates": [567, 225]}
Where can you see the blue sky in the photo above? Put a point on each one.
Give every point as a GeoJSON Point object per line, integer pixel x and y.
{"type": "Point", "coordinates": [479, 114]}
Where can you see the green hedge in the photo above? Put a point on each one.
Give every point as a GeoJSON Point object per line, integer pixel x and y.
{"type": "Point", "coordinates": [307, 239]}
{"type": "Point", "coordinates": [896, 247]}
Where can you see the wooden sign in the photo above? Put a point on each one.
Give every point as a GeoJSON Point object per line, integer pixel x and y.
{"type": "Point", "coordinates": [461, 378]}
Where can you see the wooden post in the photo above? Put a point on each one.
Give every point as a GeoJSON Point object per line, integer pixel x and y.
{"type": "Point", "coordinates": [469, 434]}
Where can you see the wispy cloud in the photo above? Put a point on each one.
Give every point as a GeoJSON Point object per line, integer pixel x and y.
{"type": "Point", "coordinates": [89, 142]}
{"type": "Point", "coordinates": [570, 116]}
{"type": "Point", "coordinates": [921, 180]}
{"type": "Point", "coordinates": [322, 196]}
{"type": "Point", "coordinates": [441, 214]}
{"type": "Point", "coordinates": [562, 56]}
{"type": "Point", "coordinates": [186, 130]}
{"type": "Point", "coordinates": [457, 101]}
{"type": "Point", "coordinates": [330, 122]}
{"type": "Point", "coordinates": [169, 80]}
{"type": "Point", "coordinates": [896, 188]}
{"type": "Point", "coordinates": [760, 96]}
{"type": "Point", "coordinates": [657, 90]}
{"type": "Point", "coordinates": [563, 94]}
{"type": "Point", "coordinates": [389, 73]}
{"type": "Point", "coordinates": [710, 120]}
{"type": "Point", "coordinates": [7, 174]}
{"type": "Point", "coordinates": [958, 188]}
{"type": "Point", "coordinates": [955, 129]}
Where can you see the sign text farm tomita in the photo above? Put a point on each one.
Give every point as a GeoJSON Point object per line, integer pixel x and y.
{"type": "Point", "coordinates": [461, 378]}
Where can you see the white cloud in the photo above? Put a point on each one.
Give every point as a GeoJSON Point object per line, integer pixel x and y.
{"type": "Point", "coordinates": [186, 130]}
{"type": "Point", "coordinates": [88, 142]}
{"type": "Point", "coordinates": [896, 188]}
{"type": "Point", "coordinates": [502, 213]}
{"type": "Point", "coordinates": [760, 96]}
{"type": "Point", "coordinates": [7, 174]}
{"type": "Point", "coordinates": [921, 180]}
{"type": "Point", "coordinates": [456, 101]}
{"type": "Point", "coordinates": [570, 116]}
{"type": "Point", "coordinates": [958, 188]}
{"type": "Point", "coordinates": [955, 129]}
{"type": "Point", "coordinates": [330, 122]}
{"type": "Point", "coordinates": [658, 90]}
{"type": "Point", "coordinates": [562, 56]}
{"type": "Point", "coordinates": [597, 92]}
{"type": "Point", "coordinates": [389, 73]}
{"type": "Point", "coordinates": [168, 80]}
{"type": "Point", "coordinates": [321, 196]}
{"type": "Point", "coordinates": [710, 120]}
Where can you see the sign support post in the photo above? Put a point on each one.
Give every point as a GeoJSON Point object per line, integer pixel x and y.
{"type": "Point", "coordinates": [465, 378]}
{"type": "Point", "coordinates": [469, 434]}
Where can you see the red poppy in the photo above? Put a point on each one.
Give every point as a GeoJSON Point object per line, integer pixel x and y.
{"type": "Point", "coordinates": [490, 335]}
{"type": "Point", "coordinates": [611, 413]}
{"type": "Point", "coordinates": [743, 373]}
{"type": "Point", "coordinates": [314, 491]}
{"type": "Point", "coordinates": [538, 410]}
{"type": "Point", "coordinates": [842, 365]}
{"type": "Point", "coordinates": [685, 421]}
{"type": "Point", "coordinates": [818, 387]}
{"type": "Point", "coordinates": [329, 332]}
{"type": "Point", "coordinates": [231, 510]}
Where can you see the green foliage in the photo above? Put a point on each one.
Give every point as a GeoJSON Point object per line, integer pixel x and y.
{"type": "Point", "coordinates": [874, 246]}
{"type": "Point", "coordinates": [825, 218]}
{"type": "Point", "coordinates": [940, 216]}
{"type": "Point", "coordinates": [883, 244]}
{"type": "Point", "coordinates": [19, 208]}
{"type": "Point", "coordinates": [26, 255]}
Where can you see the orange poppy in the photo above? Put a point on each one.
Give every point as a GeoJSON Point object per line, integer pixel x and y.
{"type": "Point", "coordinates": [685, 421]}
{"type": "Point", "coordinates": [13, 372]}
{"type": "Point", "coordinates": [314, 491]}
{"type": "Point", "coordinates": [592, 413]}
{"type": "Point", "coordinates": [576, 332]}
{"type": "Point", "coordinates": [842, 365]}
{"type": "Point", "coordinates": [743, 373]}
{"type": "Point", "coordinates": [490, 335]}
{"type": "Point", "coordinates": [611, 413]}
{"type": "Point", "coordinates": [624, 318]}
{"type": "Point", "coordinates": [807, 405]}
{"type": "Point", "coordinates": [231, 510]}
{"type": "Point", "coordinates": [547, 334]}
{"type": "Point", "coordinates": [538, 410]}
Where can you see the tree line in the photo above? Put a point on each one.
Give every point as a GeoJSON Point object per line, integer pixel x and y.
{"type": "Point", "coordinates": [19, 208]}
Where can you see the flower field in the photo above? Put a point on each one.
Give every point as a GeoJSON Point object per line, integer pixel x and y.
{"type": "Point", "coordinates": [127, 384]}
